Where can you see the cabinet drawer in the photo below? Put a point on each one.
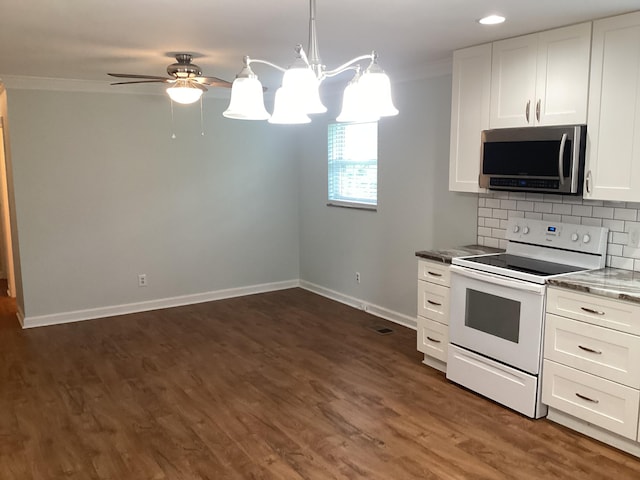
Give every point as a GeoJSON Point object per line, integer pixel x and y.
{"type": "Point", "coordinates": [615, 314]}
{"type": "Point", "coordinates": [433, 302]}
{"type": "Point", "coordinates": [433, 338]}
{"type": "Point", "coordinates": [433, 272]}
{"type": "Point", "coordinates": [601, 351]}
{"type": "Point", "coordinates": [606, 404]}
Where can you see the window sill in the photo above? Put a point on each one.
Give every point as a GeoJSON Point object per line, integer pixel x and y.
{"type": "Point", "coordinates": [354, 206]}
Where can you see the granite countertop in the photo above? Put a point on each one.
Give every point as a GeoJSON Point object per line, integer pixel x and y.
{"type": "Point", "coordinates": [606, 282]}
{"type": "Point", "coordinates": [447, 254]}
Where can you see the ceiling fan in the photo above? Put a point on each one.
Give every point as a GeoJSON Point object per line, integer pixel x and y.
{"type": "Point", "coordinates": [186, 79]}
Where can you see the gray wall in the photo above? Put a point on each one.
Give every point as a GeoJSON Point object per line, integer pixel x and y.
{"type": "Point", "coordinates": [103, 193]}
{"type": "Point", "coordinates": [415, 209]}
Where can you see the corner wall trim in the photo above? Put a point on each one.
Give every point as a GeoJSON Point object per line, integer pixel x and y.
{"type": "Point", "coordinates": [112, 311]}
{"type": "Point", "coordinates": [378, 311]}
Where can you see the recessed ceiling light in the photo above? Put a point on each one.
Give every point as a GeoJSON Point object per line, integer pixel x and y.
{"type": "Point", "coordinates": [491, 20]}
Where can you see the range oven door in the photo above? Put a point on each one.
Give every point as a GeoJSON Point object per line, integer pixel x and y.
{"type": "Point", "coordinates": [498, 317]}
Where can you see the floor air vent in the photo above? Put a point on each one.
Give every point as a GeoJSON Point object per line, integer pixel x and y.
{"type": "Point", "coordinates": [381, 330]}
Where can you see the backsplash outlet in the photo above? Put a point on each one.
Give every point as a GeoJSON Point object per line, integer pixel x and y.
{"type": "Point", "coordinates": [622, 219]}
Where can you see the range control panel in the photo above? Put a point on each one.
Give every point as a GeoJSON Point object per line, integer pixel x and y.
{"type": "Point", "coordinates": [568, 236]}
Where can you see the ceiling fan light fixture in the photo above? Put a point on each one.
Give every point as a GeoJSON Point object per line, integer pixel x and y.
{"type": "Point", "coordinates": [184, 92]}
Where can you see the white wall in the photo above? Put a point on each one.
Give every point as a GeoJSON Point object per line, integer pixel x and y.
{"type": "Point", "coordinates": [415, 212]}
{"type": "Point", "coordinates": [103, 193]}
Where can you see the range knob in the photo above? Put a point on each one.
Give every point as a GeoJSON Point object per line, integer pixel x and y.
{"type": "Point", "coordinates": [586, 238]}
{"type": "Point", "coordinates": [525, 230]}
{"type": "Point", "coordinates": [574, 237]}
{"type": "Point", "coordinates": [516, 228]}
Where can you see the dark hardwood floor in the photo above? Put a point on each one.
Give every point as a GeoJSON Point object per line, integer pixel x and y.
{"type": "Point", "coordinates": [284, 385]}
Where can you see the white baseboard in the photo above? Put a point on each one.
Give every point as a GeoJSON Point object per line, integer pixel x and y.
{"type": "Point", "coordinates": [376, 310]}
{"type": "Point", "coordinates": [93, 313]}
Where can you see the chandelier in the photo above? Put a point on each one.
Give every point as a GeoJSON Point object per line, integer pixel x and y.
{"type": "Point", "coordinates": [366, 98]}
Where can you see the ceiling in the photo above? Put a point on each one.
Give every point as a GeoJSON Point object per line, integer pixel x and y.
{"type": "Point", "coordinates": [83, 40]}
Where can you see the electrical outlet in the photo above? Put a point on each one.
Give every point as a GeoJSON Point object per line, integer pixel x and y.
{"type": "Point", "coordinates": [142, 280]}
{"type": "Point", "coordinates": [357, 277]}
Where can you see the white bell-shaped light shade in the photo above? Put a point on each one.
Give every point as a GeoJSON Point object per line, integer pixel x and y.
{"type": "Point", "coordinates": [354, 108]}
{"type": "Point", "coordinates": [303, 84]}
{"type": "Point", "coordinates": [183, 92]}
{"type": "Point", "coordinates": [376, 91]}
{"type": "Point", "coordinates": [287, 109]}
{"type": "Point", "coordinates": [247, 100]}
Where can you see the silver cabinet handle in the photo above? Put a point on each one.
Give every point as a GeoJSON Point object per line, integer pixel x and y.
{"type": "Point", "coordinates": [526, 111]}
{"type": "Point", "coordinates": [561, 157]}
{"type": "Point", "coordinates": [433, 340]}
{"type": "Point", "coordinates": [591, 310]}
{"type": "Point", "coordinates": [538, 109]}
{"type": "Point", "coordinates": [434, 274]}
{"type": "Point", "coordinates": [588, 182]}
{"type": "Point", "coordinates": [434, 303]}
{"type": "Point", "coordinates": [590, 350]}
{"type": "Point", "coordinates": [587, 398]}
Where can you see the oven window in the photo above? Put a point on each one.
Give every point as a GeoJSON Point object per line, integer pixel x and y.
{"type": "Point", "coordinates": [494, 315]}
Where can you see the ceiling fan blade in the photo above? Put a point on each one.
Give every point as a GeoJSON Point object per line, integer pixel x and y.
{"type": "Point", "coordinates": [213, 82]}
{"type": "Point", "coordinates": [144, 77]}
{"type": "Point", "coordinates": [141, 81]}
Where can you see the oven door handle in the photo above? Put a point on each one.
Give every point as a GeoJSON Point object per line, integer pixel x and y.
{"type": "Point", "coordinates": [498, 280]}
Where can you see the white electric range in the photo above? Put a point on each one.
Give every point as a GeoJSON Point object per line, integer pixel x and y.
{"type": "Point", "coordinates": [497, 308]}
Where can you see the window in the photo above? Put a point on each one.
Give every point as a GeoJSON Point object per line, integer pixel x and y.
{"type": "Point", "coordinates": [353, 165]}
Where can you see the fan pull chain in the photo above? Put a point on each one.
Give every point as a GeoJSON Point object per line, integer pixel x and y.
{"type": "Point", "coordinates": [173, 130]}
{"type": "Point", "coordinates": [201, 119]}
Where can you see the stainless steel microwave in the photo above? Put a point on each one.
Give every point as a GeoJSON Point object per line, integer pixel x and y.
{"type": "Point", "coordinates": [534, 159]}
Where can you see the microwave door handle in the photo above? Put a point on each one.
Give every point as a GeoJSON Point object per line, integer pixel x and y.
{"type": "Point", "coordinates": [561, 157]}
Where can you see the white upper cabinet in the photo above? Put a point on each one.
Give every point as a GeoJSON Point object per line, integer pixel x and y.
{"type": "Point", "coordinates": [541, 79]}
{"type": "Point", "coordinates": [469, 115]}
{"type": "Point", "coordinates": [613, 145]}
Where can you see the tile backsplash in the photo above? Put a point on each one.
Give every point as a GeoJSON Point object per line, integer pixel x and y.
{"type": "Point", "coordinates": [622, 219]}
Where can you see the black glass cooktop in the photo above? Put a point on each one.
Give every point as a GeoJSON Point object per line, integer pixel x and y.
{"type": "Point", "coordinates": [525, 264]}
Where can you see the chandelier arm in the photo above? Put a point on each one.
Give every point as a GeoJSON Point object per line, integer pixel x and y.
{"type": "Point", "coordinates": [335, 72]}
{"type": "Point", "coordinates": [258, 60]}
{"type": "Point", "coordinates": [345, 66]}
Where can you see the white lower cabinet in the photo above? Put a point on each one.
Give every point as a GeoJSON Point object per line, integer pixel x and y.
{"type": "Point", "coordinates": [591, 368]}
{"type": "Point", "coordinates": [433, 313]}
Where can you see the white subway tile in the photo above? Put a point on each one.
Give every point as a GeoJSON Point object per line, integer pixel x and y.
{"type": "Point", "coordinates": [581, 210]}
{"type": "Point", "coordinates": [613, 225]}
{"type": "Point", "coordinates": [630, 252]}
{"type": "Point", "coordinates": [503, 244]}
{"type": "Point", "coordinates": [571, 219]}
{"type": "Point", "coordinates": [593, 203]}
{"type": "Point", "coordinates": [603, 212]}
{"type": "Point", "coordinates": [551, 198]}
{"type": "Point", "coordinates": [608, 262]}
{"type": "Point", "coordinates": [561, 209]}
{"type": "Point", "coordinates": [538, 197]}
{"type": "Point", "coordinates": [631, 226]}
{"type": "Point", "coordinates": [619, 238]}
{"type": "Point", "coordinates": [633, 205]}
{"type": "Point", "coordinates": [500, 213]}
{"type": "Point", "coordinates": [484, 212]}
{"type": "Point", "coordinates": [542, 207]}
{"type": "Point", "coordinates": [481, 221]}
{"type": "Point", "coordinates": [508, 204]}
{"type": "Point", "coordinates": [608, 203]}
{"type": "Point", "coordinates": [482, 202]}
{"type": "Point", "coordinates": [480, 240]}
{"type": "Point", "coordinates": [492, 223]}
{"type": "Point", "coordinates": [501, 195]}
{"type": "Point", "coordinates": [484, 231]}
{"type": "Point", "coordinates": [504, 224]}
{"type": "Point", "coordinates": [498, 233]}
{"type": "Point", "coordinates": [515, 214]}
{"type": "Point", "coordinates": [593, 222]}
{"type": "Point", "coordinates": [517, 195]}
{"type": "Point", "coordinates": [636, 265]}
{"type": "Point", "coordinates": [492, 203]}
{"type": "Point", "coordinates": [492, 242]}
{"type": "Point", "coordinates": [533, 215]}
{"type": "Point", "coordinates": [621, 262]}
{"type": "Point", "coordinates": [613, 249]}
{"type": "Point", "coordinates": [625, 214]}
{"type": "Point", "coordinates": [551, 217]}
{"type": "Point", "coordinates": [525, 206]}
{"type": "Point", "coordinates": [571, 200]}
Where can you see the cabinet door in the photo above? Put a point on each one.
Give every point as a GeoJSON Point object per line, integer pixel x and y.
{"type": "Point", "coordinates": [562, 84]}
{"type": "Point", "coordinates": [513, 82]}
{"type": "Point", "coordinates": [613, 146]}
{"type": "Point", "coordinates": [471, 88]}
